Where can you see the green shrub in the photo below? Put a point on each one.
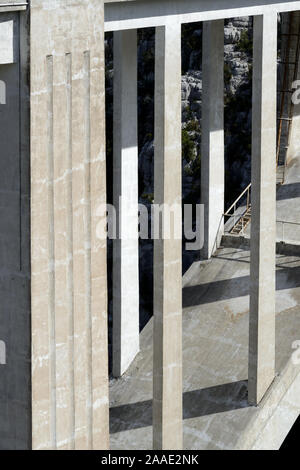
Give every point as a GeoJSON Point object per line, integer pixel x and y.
{"type": "Point", "coordinates": [227, 73]}
{"type": "Point", "coordinates": [188, 146]}
{"type": "Point", "coordinates": [149, 197]}
{"type": "Point", "coordinates": [245, 44]}
{"type": "Point", "coordinates": [193, 126]}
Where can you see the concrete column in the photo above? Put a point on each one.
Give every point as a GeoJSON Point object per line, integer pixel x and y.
{"type": "Point", "coordinates": [125, 180]}
{"type": "Point", "coordinates": [167, 347]}
{"type": "Point", "coordinates": [212, 158]}
{"type": "Point", "coordinates": [68, 261]}
{"type": "Point", "coordinates": [263, 220]}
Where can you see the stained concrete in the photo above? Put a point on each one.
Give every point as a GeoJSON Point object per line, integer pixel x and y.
{"type": "Point", "coordinates": [69, 288]}
{"type": "Point", "coordinates": [215, 361]}
{"type": "Point", "coordinates": [263, 209]}
{"type": "Point", "coordinates": [167, 269]}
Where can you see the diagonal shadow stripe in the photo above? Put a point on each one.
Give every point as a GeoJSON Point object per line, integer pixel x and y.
{"type": "Point", "coordinates": [288, 191]}
{"type": "Point", "coordinates": [196, 403]}
{"type": "Point", "coordinates": [286, 278]}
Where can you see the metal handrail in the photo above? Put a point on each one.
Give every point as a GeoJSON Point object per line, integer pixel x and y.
{"type": "Point", "coordinates": [233, 206]}
{"type": "Point", "coordinates": [283, 222]}
{"type": "Point", "coordinates": [14, 4]}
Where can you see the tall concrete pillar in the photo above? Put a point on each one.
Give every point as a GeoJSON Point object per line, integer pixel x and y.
{"type": "Point", "coordinates": [212, 158]}
{"type": "Point", "coordinates": [68, 261]}
{"type": "Point", "coordinates": [167, 337]}
{"type": "Point", "coordinates": [263, 220]}
{"type": "Point", "coordinates": [125, 181]}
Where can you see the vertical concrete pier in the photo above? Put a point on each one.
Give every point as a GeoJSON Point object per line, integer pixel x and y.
{"type": "Point", "coordinates": [68, 261]}
{"type": "Point", "coordinates": [167, 337]}
{"type": "Point", "coordinates": [263, 223]}
{"type": "Point", "coordinates": [212, 158]}
{"type": "Point", "coordinates": [125, 181]}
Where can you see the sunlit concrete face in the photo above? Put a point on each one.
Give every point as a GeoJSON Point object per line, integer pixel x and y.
{"type": "Point", "coordinates": [263, 226]}
{"type": "Point", "coordinates": [68, 261]}
{"type": "Point", "coordinates": [167, 336]}
{"type": "Point", "coordinates": [125, 181]}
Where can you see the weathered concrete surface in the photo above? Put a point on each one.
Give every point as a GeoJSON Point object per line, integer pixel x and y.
{"type": "Point", "coordinates": [125, 180]}
{"type": "Point", "coordinates": [9, 38]}
{"type": "Point", "coordinates": [15, 387]}
{"type": "Point", "coordinates": [167, 338]}
{"type": "Point", "coordinates": [212, 159]}
{"type": "Point", "coordinates": [263, 208]}
{"type": "Point", "coordinates": [69, 314]}
{"type": "Point", "coordinates": [215, 363]}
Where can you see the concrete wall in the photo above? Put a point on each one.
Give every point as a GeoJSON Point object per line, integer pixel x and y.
{"type": "Point", "coordinates": [69, 319]}
{"type": "Point", "coordinates": [15, 393]}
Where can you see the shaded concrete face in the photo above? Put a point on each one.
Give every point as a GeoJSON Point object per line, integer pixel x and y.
{"type": "Point", "coordinates": [69, 313]}
{"type": "Point", "coordinates": [15, 392]}
{"type": "Point", "coordinates": [263, 224]}
{"type": "Point", "coordinates": [293, 110]}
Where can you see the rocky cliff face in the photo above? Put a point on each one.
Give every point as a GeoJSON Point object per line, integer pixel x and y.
{"type": "Point", "coordinates": [237, 70]}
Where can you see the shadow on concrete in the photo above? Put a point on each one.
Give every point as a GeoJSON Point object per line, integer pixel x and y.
{"type": "Point", "coordinates": [286, 278]}
{"type": "Point", "coordinates": [288, 191]}
{"type": "Point", "coordinates": [197, 403]}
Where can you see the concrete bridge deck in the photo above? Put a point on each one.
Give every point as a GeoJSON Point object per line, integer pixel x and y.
{"type": "Point", "coordinates": [215, 355]}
